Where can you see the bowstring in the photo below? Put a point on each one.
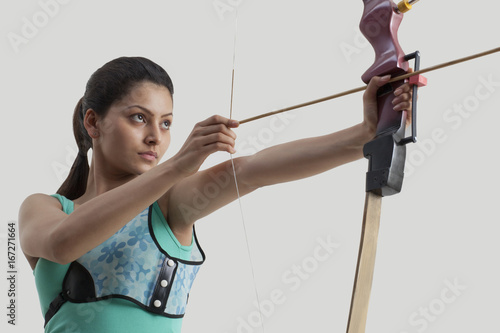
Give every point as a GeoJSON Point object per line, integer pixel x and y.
{"type": "Point", "coordinates": [236, 182]}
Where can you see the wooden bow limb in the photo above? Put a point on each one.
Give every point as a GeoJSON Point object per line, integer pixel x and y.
{"type": "Point", "coordinates": [366, 264]}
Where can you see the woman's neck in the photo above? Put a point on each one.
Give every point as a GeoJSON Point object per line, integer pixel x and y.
{"type": "Point", "coordinates": [99, 182]}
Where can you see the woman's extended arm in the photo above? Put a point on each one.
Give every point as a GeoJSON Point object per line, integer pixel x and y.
{"type": "Point", "coordinates": [303, 158]}
{"type": "Point", "coordinates": [209, 190]}
{"type": "Point", "coordinates": [308, 157]}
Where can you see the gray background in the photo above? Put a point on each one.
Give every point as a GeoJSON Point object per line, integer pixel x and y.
{"type": "Point", "coordinates": [440, 230]}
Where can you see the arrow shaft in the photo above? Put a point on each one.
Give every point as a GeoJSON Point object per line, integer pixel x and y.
{"type": "Point", "coordinates": [359, 89]}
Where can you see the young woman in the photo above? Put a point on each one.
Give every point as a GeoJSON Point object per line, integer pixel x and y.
{"type": "Point", "coordinates": [114, 250]}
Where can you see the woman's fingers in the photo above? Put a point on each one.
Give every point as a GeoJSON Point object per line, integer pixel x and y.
{"type": "Point", "coordinates": [402, 101]}
{"type": "Point", "coordinates": [219, 140]}
{"type": "Point", "coordinates": [207, 137]}
{"type": "Point", "coordinates": [403, 98]}
{"type": "Point", "coordinates": [216, 119]}
{"type": "Point", "coordinates": [405, 88]}
{"type": "Point", "coordinates": [215, 134]}
{"type": "Point", "coordinates": [216, 128]}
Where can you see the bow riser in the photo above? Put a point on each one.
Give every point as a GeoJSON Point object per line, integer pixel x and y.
{"type": "Point", "coordinates": [379, 24]}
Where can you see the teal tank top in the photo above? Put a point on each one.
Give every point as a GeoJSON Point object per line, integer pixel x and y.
{"type": "Point", "coordinates": [113, 314]}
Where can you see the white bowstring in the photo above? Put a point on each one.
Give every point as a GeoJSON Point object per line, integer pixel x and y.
{"type": "Point", "coordinates": [236, 182]}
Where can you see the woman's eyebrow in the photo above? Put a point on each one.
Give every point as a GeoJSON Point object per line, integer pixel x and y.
{"type": "Point", "coordinates": [147, 110]}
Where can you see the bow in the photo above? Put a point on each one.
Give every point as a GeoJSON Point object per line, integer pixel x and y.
{"type": "Point", "coordinates": [380, 21]}
{"type": "Point", "coordinates": [386, 153]}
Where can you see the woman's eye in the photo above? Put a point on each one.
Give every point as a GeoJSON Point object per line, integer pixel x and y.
{"type": "Point", "coordinates": [138, 118]}
{"type": "Point", "coordinates": [166, 125]}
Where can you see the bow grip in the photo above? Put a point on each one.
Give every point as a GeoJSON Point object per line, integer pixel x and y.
{"type": "Point", "coordinates": [386, 153]}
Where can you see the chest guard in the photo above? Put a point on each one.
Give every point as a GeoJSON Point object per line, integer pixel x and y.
{"type": "Point", "coordinates": [131, 265]}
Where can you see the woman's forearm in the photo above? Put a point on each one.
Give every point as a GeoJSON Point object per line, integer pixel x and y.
{"type": "Point", "coordinates": [97, 219]}
{"type": "Point", "coordinates": [304, 158]}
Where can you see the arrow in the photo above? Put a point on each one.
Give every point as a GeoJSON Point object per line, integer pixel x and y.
{"type": "Point", "coordinates": [359, 89]}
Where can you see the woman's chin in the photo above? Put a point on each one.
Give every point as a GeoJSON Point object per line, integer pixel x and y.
{"type": "Point", "coordinates": [144, 168]}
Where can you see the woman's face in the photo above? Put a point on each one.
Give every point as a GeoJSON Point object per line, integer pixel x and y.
{"type": "Point", "coordinates": [135, 133]}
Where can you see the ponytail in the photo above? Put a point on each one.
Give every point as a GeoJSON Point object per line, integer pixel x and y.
{"type": "Point", "coordinates": [76, 183]}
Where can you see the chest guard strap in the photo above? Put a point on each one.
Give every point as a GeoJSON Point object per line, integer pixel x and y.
{"type": "Point", "coordinates": [131, 265]}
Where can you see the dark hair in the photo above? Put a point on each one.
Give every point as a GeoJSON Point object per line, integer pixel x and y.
{"type": "Point", "coordinates": [108, 84]}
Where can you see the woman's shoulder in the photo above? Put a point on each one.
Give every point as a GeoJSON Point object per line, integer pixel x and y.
{"type": "Point", "coordinates": [33, 209]}
{"type": "Point", "coordinates": [35, 205]}
{"type": "Point", "coordinates": [38, 200]}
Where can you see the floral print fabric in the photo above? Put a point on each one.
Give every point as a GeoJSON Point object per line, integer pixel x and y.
{"type": "Point", "coordinates": [128, 264]}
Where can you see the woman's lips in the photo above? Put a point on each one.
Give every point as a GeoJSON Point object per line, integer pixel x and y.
{"type": "Point", "coordinates": [150, 155]}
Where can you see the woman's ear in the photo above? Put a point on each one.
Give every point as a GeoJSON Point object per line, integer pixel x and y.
{"type": "Point", "coordinates": [90, 123]}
